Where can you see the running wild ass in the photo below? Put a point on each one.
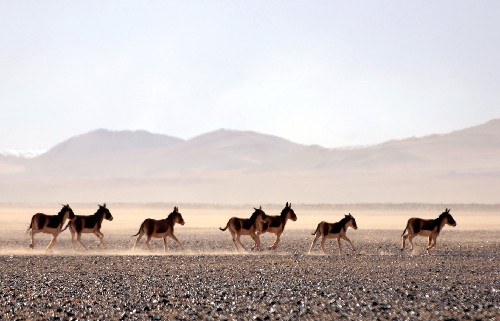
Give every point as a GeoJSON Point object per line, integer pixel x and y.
{"type": "Point", "coordinates": [334, 230]}
{"type": "Point", "coordinates": [245, 226]}
{"type": "Point", "coordinates": [276, 224]}
{"type": "Point", "coordinates": [430, 228]}
{"type": "Point", "coordinates": [50, 224]}
{"type": "Point", "coordinates": [160, 229]}
{"type": "Point", "coordinates": [89, 224]}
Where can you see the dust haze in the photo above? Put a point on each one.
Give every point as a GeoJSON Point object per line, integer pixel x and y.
{"type": "Point", "coordinates": [206, 220]}
{"type": "Point", "coordinates": [242, 167]}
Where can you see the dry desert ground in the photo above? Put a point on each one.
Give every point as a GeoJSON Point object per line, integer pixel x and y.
{"type": "Point", "coordinates": [211, 280]}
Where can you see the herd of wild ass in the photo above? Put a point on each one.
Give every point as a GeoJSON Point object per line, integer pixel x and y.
{"type": "Point", "coordinates": [258, 223]}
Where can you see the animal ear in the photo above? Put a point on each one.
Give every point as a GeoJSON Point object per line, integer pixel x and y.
{"type": "Point", "coordinates": [260, 207]}
{"type": "Point", "coordinates": [286, 204]}
{"type": "Point", "coordinates": [104, 205]}
{"type": "Point", "coordinates": [290, 206]}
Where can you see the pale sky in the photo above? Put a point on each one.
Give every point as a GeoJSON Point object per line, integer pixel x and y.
{"type": "Point", "coordinates": [333, 73]}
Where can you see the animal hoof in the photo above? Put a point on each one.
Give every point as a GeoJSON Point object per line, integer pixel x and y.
{"type": "Point", "coordinates": [32, 246]}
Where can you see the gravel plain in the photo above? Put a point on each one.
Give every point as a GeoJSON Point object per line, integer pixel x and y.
{"type": "Point", "coordinates": [210, 280]}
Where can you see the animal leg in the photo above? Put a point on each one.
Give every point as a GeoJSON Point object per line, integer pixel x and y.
{"type": "Point", "coordinates": [255, 243]}
{"type": "Point", "coordinates": [73, 242]}
{"type": "Point", "coordinates": [323, 240]}
{"type": "Point", "coordinates": [434, 244]}
{"type": "Point", "coordinates": [348, 240]}
{"type": "Point", "coordinates": [256, 240]}
{"type": "Point", "coordinates": [403, 239]}
{"type": "Point", "coordinates": [340, 245]}
{"type": "Point", "coordinates": [410, 238]}
{"type": "Point", "coordinates": [239, 242]}
{"type": "Point", "coordinates": [52, 243]}
{"type": "Point", "coordinates": [138, 239]}
{"type": "Point", "coordinates": [235, 244]}
{"type": "Point", "coordinates": [79, 239]}
{"type": "Point", "coordinates": [165, 246]}
{"type": "Point", "coordinates": [32, 235]}
{"type": "Point", "coordinates": [233, 235]}
{"type": "Point", "coordinates": [176, 241]}
{"type": "Point", "coordinates": [148, 243]}
{"type": "Point", "coordinates": [101, 238]}
{"type": "Point", "coordinates": [276, 241]}
{"type": "Point", "coordinates": [313, 243]}
{"type": "Point", "coordinates": [430, 246]}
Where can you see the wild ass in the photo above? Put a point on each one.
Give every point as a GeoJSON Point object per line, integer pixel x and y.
{"type": "Point", "coordinates": [50, 224]}
{"type": "Point", "coordinates": [160, 229]}
{"type": "Point", "coordinates": [334, 230]}
{"type": "Point", "coordinates": [89, 224]}
{"type": "Point", "coordinates": [430, 228]}
{"type": "Point", "coordinates": [276, 224]}
{"type": "Point", "coordinates": [245, 226]}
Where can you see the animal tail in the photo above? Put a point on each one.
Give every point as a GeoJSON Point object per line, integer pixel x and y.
{"type": "Point", "coordinates": [140, 229]}
{"type": "Point", "coordinates": [31, 226]}
{"type": "Point", "coordinates": [66, 226]}
{"type": "Point", "coordinates": [223, 229]}
{"type": "Point", "coordinates": [407, 224]}
{"type": "Point", "coordinates": [317, 228]}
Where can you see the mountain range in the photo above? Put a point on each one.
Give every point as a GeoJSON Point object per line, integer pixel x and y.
{"type": "Point", "coordinates": [228, 166]}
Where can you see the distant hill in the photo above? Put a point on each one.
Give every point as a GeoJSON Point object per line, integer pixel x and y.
{"type": "Point", "coordinates": [228, 166]}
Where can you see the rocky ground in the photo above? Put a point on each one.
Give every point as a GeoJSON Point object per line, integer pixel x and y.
{"type": "Point", "coordinates": [209, 280]}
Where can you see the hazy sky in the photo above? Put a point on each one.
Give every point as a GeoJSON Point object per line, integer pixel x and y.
{"type": "Point", "coordinates": [333, 73]}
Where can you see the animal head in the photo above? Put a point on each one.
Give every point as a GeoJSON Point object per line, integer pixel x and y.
{"type": "Point", "coordinates": [259, 215]}
{"type": "Point", "coordinates": [107, 214]}
{"type": "Point", "coordinates": [447, 216]}
{"type": "Point", "coordinates": [176, 216]}
{"type": "Point", "coordinates": [288, 212]}
{"type": "Point", "coordinates": [351, 221]}
{"type": "Point", "coordinates": [66, 210]}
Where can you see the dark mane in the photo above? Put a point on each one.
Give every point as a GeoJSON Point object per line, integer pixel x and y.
{"type": "Point", "coordinates": [437, 221]}
{"type": "Point", "coordinates": [64, 209]}
{"type": "Point", "coordinates": [344, 220]}
{"type": "Point", "coordinates": [255, 214]}
{"type": "Point", "coordinates": [284, 211]}
{"type": "Point", "coordinates": [172, 215]}
{"type": "Point", "coordinates": [443, 215]}
{"type": "Point", "coordinates": [100, 211]}
{"type": "Point", "coordinates": [247, 224]}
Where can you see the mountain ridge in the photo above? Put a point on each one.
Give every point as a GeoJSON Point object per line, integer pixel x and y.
{"type": "Point", "coordinates": [245, 166]}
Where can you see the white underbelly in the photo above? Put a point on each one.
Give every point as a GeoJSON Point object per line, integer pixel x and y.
{"type": "Point", "coordinates": [246, 232]}
{"type": "Point", "coordinates": [332, 236]}
{"type": "Point", "coordinates": [426, 233]}
{"type": "Point", "coordinates": [273, 230]}
{"type": "Point", "coordinates": [51, 230]}
{"type": "Point", "coordinates": [159, 235]}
